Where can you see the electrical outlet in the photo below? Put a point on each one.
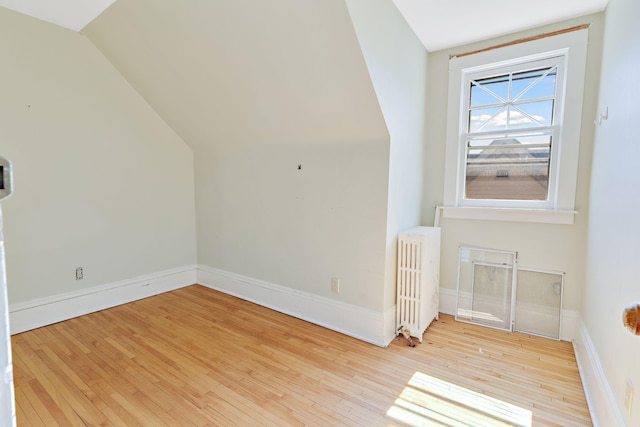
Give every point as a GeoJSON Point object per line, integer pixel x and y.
{"type": "Point", "coordinates": [335, 285]}
{"type": "Point", "coordinates": [79, 273]}
{"type": "Point", "coordinates": [628, 396]}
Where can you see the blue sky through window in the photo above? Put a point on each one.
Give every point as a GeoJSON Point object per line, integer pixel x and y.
{"type": "Point", "coordinates": [511, 101]}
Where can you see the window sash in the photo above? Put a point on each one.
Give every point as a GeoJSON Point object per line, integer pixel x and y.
{"type": "Point", "coordinates": [509, 164]}
{"type": "Point", "coordinates": [553, 62]}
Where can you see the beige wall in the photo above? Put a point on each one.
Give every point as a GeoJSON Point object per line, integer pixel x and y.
{"type": "Point", "coordinates": [100, 180]}
{"type": "Point", "coordinates": [540, 246]}
{"type": "Point", "coordinates": [257, 88]}
{"type": "Point", "coordinates": [613, 227]}
{"type": "Point", "coordinates": [397, 64]}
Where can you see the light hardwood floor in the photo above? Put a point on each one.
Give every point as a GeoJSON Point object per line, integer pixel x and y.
{"type": "Point", "coordinates": [195, 356]}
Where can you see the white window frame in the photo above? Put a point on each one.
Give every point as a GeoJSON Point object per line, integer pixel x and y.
{"type": "Point", "coordinates": [560, 208]}
{"type": "Point", "coordinates": [556, 58]}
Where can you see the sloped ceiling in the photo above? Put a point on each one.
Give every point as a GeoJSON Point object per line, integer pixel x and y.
{"type": "Point", "coordinates": [438, 24]}
{"type": "Point", "coordinates": [228, 70]}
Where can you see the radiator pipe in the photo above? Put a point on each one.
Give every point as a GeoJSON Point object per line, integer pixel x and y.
{"type": "Point", "coordinates": [436, 219]}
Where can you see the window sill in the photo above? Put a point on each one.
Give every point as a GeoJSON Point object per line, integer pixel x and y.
{"type": "Point", "coordinates": [548, 216]}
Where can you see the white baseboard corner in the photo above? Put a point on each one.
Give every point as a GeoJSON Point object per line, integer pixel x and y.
{"type": "Point", "coordinates": [390, 331]}
{"type": "Point", "coordinates": [600, 398]}
{"type": "Point", "coordinates": [358, 322]}
{"type": "Point", "coordinates": [447, 301]}
{"type": "Point", "coordinates": [46, 311]}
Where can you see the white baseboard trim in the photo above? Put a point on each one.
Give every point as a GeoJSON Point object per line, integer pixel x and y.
{"type": "Point", "coordinates": [46, 311]}
{"type": "Point", "coordinates": [390, 327]}
{"type": "Point", "coordinates": [567, 327]}
{"type": "Point", "coordinates": [358, 322]}
{"type": "Point", "coordinates": [447, 301]}
{"type": "Point", "coordinates": [600, 398]}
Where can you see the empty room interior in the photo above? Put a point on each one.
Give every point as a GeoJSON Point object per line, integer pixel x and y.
{"type": "Point", "coordinates": [210, 200]}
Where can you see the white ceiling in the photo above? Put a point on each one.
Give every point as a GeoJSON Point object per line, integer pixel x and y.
{"type": "Point", "coordinates": [442, 24]}
{"type": "Point", "coordinates": [438, 24]}
{"type": "Point", "coordinates": [72, 14]}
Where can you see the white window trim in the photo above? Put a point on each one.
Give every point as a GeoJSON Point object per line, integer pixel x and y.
{"type": "Point", "coordinates": [562, 207]}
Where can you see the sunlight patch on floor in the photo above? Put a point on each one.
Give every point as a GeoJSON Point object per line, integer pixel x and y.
{"type": "Point", "coordinates": [428, 401]}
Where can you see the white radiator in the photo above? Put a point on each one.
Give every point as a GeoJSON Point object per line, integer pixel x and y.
{"type": "Point", "coordinates": [418, 279]}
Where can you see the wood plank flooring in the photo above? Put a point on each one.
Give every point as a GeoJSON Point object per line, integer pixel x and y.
{"type": "Point", "coordinates": [197, 357]}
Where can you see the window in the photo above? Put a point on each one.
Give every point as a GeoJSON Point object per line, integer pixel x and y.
{"type": "Point", "coordinates": [510, 134]}
{"type": "Point", "coordinates": [511, 144]}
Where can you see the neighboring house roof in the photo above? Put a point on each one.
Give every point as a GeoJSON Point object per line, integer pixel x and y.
{"type": "Point", "coordinates": [507, 172]}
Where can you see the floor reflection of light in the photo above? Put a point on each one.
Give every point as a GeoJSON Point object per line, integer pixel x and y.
{"type": "Point", "coordinates": [479, 315]}
{"type": "Point", "coordinates": [428, 401]}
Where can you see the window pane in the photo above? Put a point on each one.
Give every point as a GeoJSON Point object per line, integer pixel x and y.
{"type": "Point", "coordinates": [518, 119]}
{"type": "Point", "coordinates": [524, 99]}
{"type": "Point", "coordinates": [485, 286]}
{"type": "Point", "coordinates": [508, 168]}
{"type": "Point", "coordinates": [539, 302]}
{"type": "Point", "coordinates": [531, 114]}
{"type": "Point", "coordinates": [534, 84]}
{"type": "Point", "coordinates": [487, 119]}
{"type": "Point", "coordinates": [489, 91]}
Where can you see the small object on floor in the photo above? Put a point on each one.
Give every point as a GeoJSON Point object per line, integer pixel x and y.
{"type": "Point", "coordinates": [406, 333]}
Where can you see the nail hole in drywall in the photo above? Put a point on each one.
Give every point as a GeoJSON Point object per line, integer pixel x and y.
{"type": "Point", "coordinates": [300, 167]}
